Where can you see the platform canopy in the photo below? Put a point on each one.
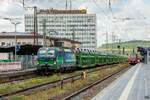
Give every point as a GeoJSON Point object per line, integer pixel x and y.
{"type": "Point", "coordinates": [21, 49]}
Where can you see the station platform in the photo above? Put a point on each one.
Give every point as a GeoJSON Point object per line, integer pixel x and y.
{"type": "Point", "coordinates": [132, 85]}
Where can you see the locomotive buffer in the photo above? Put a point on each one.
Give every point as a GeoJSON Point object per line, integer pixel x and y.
{"type": "Point", "coordinates": [132, 85]}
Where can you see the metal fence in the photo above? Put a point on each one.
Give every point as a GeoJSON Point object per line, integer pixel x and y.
{"type": "Point", "coordinates": [27, 61]}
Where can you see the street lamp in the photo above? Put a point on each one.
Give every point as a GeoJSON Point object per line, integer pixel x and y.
{"type": "Point", "coordinates": [15, 23]}
{"type": "Point", "coordinates": [44, 32]}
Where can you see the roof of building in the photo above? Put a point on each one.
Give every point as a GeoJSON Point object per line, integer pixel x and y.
{"type": "Point", "coordinates": [56, 11]}
{"type": "Point", "coordinates": [31, 35]}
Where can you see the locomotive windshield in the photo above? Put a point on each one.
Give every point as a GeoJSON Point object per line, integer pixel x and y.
{"type": "Point", "coordinates": [69, 56]}
{"type": "Point", "coordinates": [42, 52]}
{"type": "Point", "coordinates": [51, 53]}
{"type": "Point", "coordinates": [47, 52]}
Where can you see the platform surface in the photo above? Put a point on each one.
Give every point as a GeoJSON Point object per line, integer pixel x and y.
{"type": "Point", "coordinates": [132, 85]}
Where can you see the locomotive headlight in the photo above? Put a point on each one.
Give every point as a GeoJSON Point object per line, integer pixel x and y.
{"type": "Point", "coordinates": [54, 62]}
{"type": "Point", "coordinates": [37, 62]}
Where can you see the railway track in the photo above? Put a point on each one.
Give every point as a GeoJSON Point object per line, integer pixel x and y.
{"type": "Point", "coordinates": [37, 87]}
{"type": "Point", "coordinates": [17, 76]}
{"type": "Point", "coordinates": [88, 87]}
{"type": "Point", "coordinates": [50, 84]}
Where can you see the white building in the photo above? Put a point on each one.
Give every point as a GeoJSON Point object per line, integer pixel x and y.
{"type": "Point", "coordinates": [11, 38]}
{"type": "Point", "coordinates": [71, 24]}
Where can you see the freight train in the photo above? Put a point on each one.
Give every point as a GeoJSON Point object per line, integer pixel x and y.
{"type": "Point", "coordinates": [62, 59]}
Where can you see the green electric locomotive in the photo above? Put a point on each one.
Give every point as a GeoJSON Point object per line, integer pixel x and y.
{"type": "Point", "coordinates": [62, 59]}
{"type": "Point", "coordinates": [53, 58]}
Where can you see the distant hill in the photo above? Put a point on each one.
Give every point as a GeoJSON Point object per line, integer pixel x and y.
{"type": "Point", "coordinates": [128, 45]}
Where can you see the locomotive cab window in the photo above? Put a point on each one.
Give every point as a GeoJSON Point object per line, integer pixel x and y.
{"type": "Point", "coordinates": [69, 56]}
{"type": "Point", "coordinates": [51, 53]}
{"type": "Point", "coordinates": [42, 52]}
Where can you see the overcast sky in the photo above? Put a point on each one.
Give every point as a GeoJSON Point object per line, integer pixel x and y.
{"type": "Point", "coordinates": [127, 19]}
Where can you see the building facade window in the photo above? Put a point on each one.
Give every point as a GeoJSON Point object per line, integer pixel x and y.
{"type": "Point", "coordinates": [2, 43]}
{"type": "Point", "coordinates": [83, 25]}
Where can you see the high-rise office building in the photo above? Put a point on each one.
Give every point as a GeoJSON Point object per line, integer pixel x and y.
{"type": "Point", "coordinates": [77, 25]}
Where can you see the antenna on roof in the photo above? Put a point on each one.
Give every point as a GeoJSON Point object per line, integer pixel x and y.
{"type": "Point", "coordinates": [66, 4]}
{"type": "Point", "coordinates": [70, 4]}
{"type": "Point", "coordinates": [23, 3]}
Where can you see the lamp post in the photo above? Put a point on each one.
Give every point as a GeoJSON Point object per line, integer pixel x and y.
{"type": "Point", "coordinates": [15, 23]}
{"type": "Point", "coordinates": [44, 32]}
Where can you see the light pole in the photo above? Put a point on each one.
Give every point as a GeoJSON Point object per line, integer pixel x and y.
{"type": "Point", "coordinates": [15, 23]}
{"type": "Point", "coordinates": [112, 42]}
{"type": "Point", "coordinates": [44, 32]}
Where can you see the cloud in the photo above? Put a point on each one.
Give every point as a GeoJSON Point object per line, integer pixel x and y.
{"type": "Point", "coordinates": [135, 28]}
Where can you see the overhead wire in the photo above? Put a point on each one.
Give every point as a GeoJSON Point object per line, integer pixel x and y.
{"type": "Point", "coordinates": [100, 8]}
{"type": "Point", "coordinates": [106, 24]}
{"type": "Point", "coordinates": [112, 14]}
{"type": "Point", "coordinates": [110, 8]}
